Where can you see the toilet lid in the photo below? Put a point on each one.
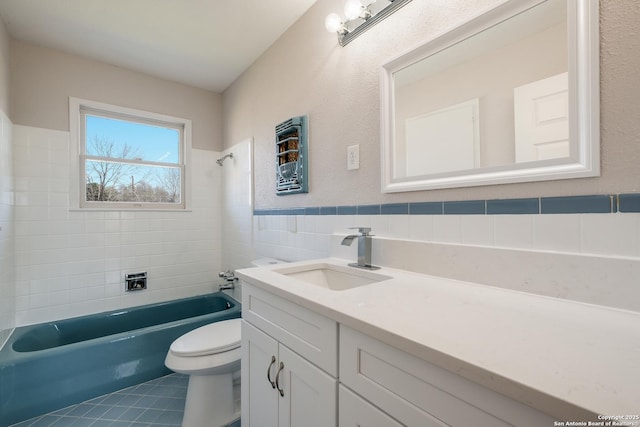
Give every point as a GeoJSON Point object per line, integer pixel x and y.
{"type": "Point", "coordinates": [214, 338]}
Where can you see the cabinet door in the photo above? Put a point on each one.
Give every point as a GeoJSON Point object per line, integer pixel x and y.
{"type": "Point", "coordinates": [309, 394]}
{"type": "Point", "coordinates": [259, 399]}
{"type": "Point", "coordinates": [418, 393]}
{"type": "Point", "coordinates": [355, 412]}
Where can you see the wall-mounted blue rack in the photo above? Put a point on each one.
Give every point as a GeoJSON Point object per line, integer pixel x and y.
{"type": "Point", "coordinates": [291, 156]}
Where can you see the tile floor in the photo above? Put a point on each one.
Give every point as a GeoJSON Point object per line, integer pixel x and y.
{"type": "Point", "coordinates": [159, 402]}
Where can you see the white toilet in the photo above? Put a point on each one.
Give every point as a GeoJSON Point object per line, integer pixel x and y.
{"type": "Point", "coordinates": [210, 355]}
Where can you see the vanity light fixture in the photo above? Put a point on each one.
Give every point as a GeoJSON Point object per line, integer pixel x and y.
{"type": "Point", "coordinates": [360, 16]}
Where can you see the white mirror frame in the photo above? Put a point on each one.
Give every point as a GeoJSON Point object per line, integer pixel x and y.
{"type": "Point", "coordinates": [584, 104]}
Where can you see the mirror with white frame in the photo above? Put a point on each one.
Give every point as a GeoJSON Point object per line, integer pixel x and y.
{"type": "Point", "coordinates": [510, 96]}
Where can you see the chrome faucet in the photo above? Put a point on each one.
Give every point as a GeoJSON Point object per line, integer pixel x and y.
{"type": "Point", "coordinates": [364, 247]}
{"type": "Point", "coordinates": [229, 280]}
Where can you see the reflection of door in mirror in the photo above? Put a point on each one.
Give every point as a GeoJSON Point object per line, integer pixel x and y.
{"type": "Point", "coordinates": [542, 119]}
{"type": "Point", "coordinates": [444, 140]}
{"type": "Point", "coordinates": [526, 48]}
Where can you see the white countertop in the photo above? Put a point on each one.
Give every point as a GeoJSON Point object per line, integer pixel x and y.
{"type": "Point", "coordinates": [562, 357]}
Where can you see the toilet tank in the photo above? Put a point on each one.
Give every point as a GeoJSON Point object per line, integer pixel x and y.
{"type": "Point", "coordinates": [259, 262]}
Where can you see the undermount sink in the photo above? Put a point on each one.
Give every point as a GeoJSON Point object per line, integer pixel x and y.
{"type": "Point", "coordinates": [334, 277]}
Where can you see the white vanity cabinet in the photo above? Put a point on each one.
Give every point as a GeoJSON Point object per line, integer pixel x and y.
{"type": "Point", "coordinates": [417, 393]}
{"type": "Point", "coordinates": [291, 357]}
{"type": "Point", "coordinates": [289, 363]}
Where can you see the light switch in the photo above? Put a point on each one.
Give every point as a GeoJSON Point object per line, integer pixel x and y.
{"type": "Point", "coordinates": [353, 157]}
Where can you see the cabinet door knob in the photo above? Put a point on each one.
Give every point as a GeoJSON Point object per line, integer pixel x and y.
{"type": "Point", "coordinates": [277, 377]}
{"type": "Point", "coordinates": [273, 360]}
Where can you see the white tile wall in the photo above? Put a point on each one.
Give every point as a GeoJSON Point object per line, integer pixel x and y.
{"type": "Point", "coordinates": [513, 231]}
{"type": "Point", "coordinates": [588, 257]}
{"type": "Point", "coordinates": [7, 284]}
{"type": "Point", "coordinates": [70, 263]}
{"type": "Point", "coordinates": [276, 236]}
{"type": "Point", "coordinates": [237, 206]}
{"type": "Point", "coordinates": [616, 234]}
{"type": "Point", "coordinates": [559, 233]}
{"type": "Point", "coordinates": [237, 209]}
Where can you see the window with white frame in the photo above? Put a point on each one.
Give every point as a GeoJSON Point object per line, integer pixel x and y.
{"type": "Point", "coordinates": [129, 159]}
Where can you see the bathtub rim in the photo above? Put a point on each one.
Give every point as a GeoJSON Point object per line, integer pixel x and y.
{"type": "Point", "coordinates": [8, 353]}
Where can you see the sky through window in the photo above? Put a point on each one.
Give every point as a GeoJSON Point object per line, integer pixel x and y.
{"type": "Point", "coordinates": [149, 143]}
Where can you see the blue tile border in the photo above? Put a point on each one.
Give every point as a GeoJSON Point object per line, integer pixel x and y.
{"type": "Point", "coordinates": [368, 209]}
{"type": "Point", "coordinates": [629, 202]}
{"type": "Point", "coordinates": [347, 210]}
{"type": "Point", "coordinates": [607, 203]}
{"type": "Point", "coordinates": [328, 210]}
{"type": "Point", "coordinates": [576, 204]}
{"type": "Point", "coordinates": [426, 208]}
{"type": "Point", "coordinates": [465, 207]}
{"type": "Point", "coordinates": [394, 209]}
{"type": "Point", "coordinates": [513, 206]}
{"type": "Point", "coordinates": [264, 212]}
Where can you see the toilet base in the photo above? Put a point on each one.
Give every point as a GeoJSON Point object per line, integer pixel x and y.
{"type": "Point", "coordinates": [210, 401]}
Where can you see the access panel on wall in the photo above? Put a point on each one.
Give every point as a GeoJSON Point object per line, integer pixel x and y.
{"type": "Point", "coordinates": [291, 156]}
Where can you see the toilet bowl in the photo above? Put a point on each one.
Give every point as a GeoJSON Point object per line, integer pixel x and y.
{"type": "Point", "coordinates": [210, 355]}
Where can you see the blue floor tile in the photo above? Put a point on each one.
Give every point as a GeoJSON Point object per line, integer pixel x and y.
{"type": "Point", "coordinates": [159, 402]}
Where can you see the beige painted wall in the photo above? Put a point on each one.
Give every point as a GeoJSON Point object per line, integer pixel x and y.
{"type": "Point", "coordinates": [307, 72]}
{"type": "Point", "coordinates": [42, 80]}
{"type": "Point", "coordinates": [4, 69]}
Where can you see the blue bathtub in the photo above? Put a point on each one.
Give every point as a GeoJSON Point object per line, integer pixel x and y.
{"type": "Point", "coordinates": [52, 365]}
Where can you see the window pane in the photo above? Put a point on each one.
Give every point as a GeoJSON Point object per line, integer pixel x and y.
{"type": "Point", "coordinates": [125, 182]}
{"type": "Point", "coordinates": [121, 139]}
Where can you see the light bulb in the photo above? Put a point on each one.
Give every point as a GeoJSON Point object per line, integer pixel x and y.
{"type": "Point", "coordinates": [333, 23]}
{"type": "Point", "coordinates": [352, 9]}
